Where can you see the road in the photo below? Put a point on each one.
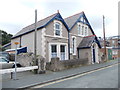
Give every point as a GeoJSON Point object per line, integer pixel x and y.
{"type": "Point", "coordinates": [102, 78]}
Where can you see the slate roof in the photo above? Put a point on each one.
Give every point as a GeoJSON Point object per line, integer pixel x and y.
{"type": "Point", "coordinates": [87, 42]}
{"type": "Point", "coordinates": [31, 27]}
{"type": "Point", "coordinates": [71, 20]}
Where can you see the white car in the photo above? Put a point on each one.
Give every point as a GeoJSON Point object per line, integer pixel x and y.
{"type": "Point", "coordinates": [5, 63]}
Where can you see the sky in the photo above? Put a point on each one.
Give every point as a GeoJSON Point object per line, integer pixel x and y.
{"type": "Point", "coordinates": [17, 14]}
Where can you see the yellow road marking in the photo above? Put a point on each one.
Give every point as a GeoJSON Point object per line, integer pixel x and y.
{"type": "Point", "coordinates": [39, 86]}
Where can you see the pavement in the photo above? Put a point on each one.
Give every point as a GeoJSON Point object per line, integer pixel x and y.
{"type": "Point", "coordinates": [27, 79]}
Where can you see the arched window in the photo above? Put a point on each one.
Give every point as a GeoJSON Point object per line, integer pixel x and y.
{"type": "Point", "coordinates": [82, 32]}
{"type": "Point", "coordinates": [86, 31]}
{"type": "Point", "coordinates": [79, 29]}
{"type": "Point", "coordinates": [57, 29]}
{"type": "Point", "coordinates": [73, 45]}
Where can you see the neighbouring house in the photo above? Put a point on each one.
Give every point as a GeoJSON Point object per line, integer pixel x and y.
{"type": "Point", "coordinates": [109, 52]}
{"type": "Point", "coordinates": [112, 45]}
{"type": "Point", "coordinates": [83, 42]}
{"type": "Point", "coordinates": [115, 44]}
{"type": "Point", "coordinates": [63, 38]}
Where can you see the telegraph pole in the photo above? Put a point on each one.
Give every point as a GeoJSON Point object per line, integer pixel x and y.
{"type": "Point", "coordinates": [35, 42]}
{"type": "Point", "coordinates": [104, 38]}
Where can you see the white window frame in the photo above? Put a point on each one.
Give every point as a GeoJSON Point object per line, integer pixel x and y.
{"type": "Point", "coordinates": [82, 30]}
{"type": "Point", "coordinates": [86, 31]}
{"type": "Point", "coordinates": [58, 50]}
{"type": "Point", "coordinates": [79, 29]}
{"type": "Point", "coordinates": [56, 22]}
{"type": "Point", "coordinates": [74, 48]}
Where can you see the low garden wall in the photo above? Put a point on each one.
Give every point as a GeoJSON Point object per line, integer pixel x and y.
{"type": "Point", "coordinates": [57, 65]}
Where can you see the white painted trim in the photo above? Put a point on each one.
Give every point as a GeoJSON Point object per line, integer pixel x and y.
{"type": "Point", "coordinates": [74, 45]}
{"type": "Point", "coordinates": [81, 24]}
{"type": "Point", "coordinates": [58, 50]}
{"type": "Point", "coordinates": [49, 46]}
{"type": "Point", "coordinates": [56, 21]}
{"type": "Point", "coordinates": [55, 37]}
{"type": "Point", "coordinates": [43, 42]}
{"type": "Point", "coordinates": [76, 35]}
{"type": "Point", "coordinates": [96, 53]}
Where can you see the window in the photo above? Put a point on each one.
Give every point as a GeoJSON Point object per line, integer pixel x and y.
{"type": "Point", "coordinates": [54, 51]}
{"type": "Point", "coordinates": [82, 30]}
{"type": "Point", "coordinates": [113, 41]}
{"type": "Point", "coordinates": [85, 31]}
{"type": "Point", "coordinates": [57, 29]}
{"type": "Point", "coordinates": [73, 45]}
{"type": "Point", "coordinates": [79, 29]}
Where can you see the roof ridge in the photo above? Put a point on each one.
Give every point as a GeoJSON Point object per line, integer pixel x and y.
{"type": "Point", "coordinates": [47, 17]}
{"type": "Point", "coordinates": [74, 15]}
{"type": "Point", "coordinates": [40, 20]}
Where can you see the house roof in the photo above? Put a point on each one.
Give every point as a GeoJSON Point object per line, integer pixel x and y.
{"type": "Point", "coordinates": [40, 24]}
{"type": "Point", "coordinates": [87, 42]}
{"type": "Point", "coordinates": [72, 21]}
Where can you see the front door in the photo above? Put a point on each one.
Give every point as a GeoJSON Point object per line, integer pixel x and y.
{"type": "Point", "coordinates": [62, 52]}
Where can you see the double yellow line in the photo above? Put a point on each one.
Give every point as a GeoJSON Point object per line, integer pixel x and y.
{"type": "Point", "coordinates": [46, 84]}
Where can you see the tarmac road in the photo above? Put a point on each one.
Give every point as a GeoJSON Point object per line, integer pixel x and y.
{"type": "Point", "coordinates": [103, 78]}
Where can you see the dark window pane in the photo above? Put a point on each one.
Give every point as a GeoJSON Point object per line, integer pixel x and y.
{"type": "Point", "coordinates": [62, 48]}
{"type": "Point", "coordinates": [54, 48]}
{"type": "Point", "coordinates": [57, 32]}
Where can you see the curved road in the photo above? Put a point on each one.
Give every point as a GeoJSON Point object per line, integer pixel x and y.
{"type": "Point", "coordinates": [103, 78]}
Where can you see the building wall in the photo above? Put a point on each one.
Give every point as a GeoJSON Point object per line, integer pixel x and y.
{"type": "Point", "coordinates": [74, 33]}
{"type": "Point", "coordinates": [50, 30]}
{"type": "Point", "coordinates": [85, 53]}
{"type": "Point", "coordinates": [51, 38]}
{"type": "Point", "coordinates": [28, 41]}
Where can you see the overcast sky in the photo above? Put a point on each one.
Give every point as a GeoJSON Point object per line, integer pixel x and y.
{"type": "Point", "coordinates": [16, 14]}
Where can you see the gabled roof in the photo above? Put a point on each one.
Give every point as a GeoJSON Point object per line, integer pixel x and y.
{"type": "Point", "coordinates": [87, 42]}
{"type": "Point", "coordinates": [72, 21]}
{"type": "Point", "coordinates": [40, 24]}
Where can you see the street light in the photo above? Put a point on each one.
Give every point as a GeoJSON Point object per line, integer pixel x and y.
{"type": "Point", "coordinates": [16, 43]}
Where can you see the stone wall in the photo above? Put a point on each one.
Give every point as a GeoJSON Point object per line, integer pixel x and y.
{"type": "Point", "coordinates": [25, 59]}
{"type": "Point", "coordinates": [57, 65]}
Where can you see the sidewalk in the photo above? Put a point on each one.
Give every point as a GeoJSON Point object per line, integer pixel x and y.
{"type": "Point", "coordinates": [26, 79]}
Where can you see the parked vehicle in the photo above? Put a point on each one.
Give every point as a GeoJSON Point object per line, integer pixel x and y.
{"type": "Point", "coordinates": [5, 63]}
{"type": "Point", "coordinates": [5, 54]}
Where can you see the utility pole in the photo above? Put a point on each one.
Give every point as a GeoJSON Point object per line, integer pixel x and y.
{"type": "Point", "coordinates": [35, 42]}
{"type": "Point", "coordinates": [104, 38]}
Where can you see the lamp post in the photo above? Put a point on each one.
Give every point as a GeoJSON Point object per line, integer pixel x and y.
{"type": "Point", "coordinates": [16, 43]}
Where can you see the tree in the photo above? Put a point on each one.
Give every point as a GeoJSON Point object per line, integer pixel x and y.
{"type": "Point", "coordinates": [4, 37]}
